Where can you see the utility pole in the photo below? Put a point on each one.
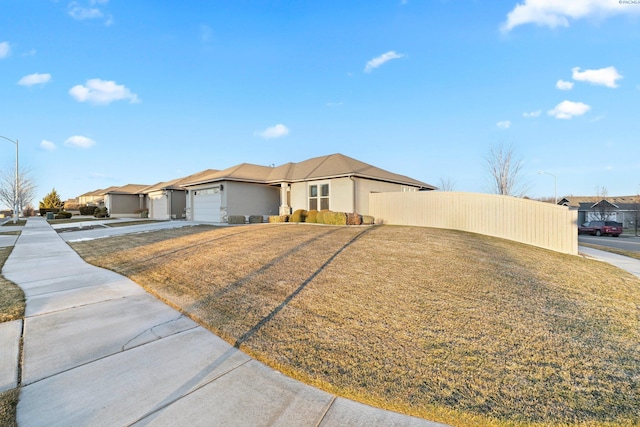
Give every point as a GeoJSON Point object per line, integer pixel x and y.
{"type": "Point", "coordinates": [16, 188]}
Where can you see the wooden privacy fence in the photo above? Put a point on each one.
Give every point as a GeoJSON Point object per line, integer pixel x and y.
{"type": "Point", "coordinates": [526, 221]}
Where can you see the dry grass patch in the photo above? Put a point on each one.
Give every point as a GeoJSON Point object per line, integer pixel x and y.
{"type": "Point", "coordinates": [448, 326]}
{"type": "Point", "coordinates": [12, 302]}
{"type": "Point", "coordinates": [8, 405]}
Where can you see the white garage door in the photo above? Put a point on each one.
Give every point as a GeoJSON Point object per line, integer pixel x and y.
{"type": "Point", "coordinates": [206, 205]}
{"type": "Point", "coordinates": [159, 208]}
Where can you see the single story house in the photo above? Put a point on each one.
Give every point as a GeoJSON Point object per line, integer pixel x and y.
{"type": "Point", "coordinates": [125, 201]}
{"type": "Point", "coordinates": [94, 198]}
{"type": "Point", "coordinates": [623, 209]}
{"type": "Point", "coordinates": [334, 182]}
{"type": "Point", "coordinates": [168, 200]}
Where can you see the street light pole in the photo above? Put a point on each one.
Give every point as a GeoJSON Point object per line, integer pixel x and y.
{"type": "Point", "coordinates": [555, 184]}
{"type": "Point", "coordinates": [16, 188]}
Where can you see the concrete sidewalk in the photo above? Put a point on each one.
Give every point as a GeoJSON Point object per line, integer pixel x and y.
{"type": "Point", "coordinates": [99, 350]}
{"type": "Point", "coordinates": [631, 265]}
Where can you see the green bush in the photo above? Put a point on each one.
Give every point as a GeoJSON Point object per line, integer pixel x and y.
{"type": "Point", "coordinates": [101, 213]}
{"type": "Point", "coordinates": [236, 219]}
{"type": "Point", "coordinates": [87, 210]}
{"type": "Point", "coordinates": [335, 218]}
{"type": "Point", "coordinates": [43, 211]}
{"type": "Point", "coordinates": [299, 215]}
{"type": "Point", "coordinates": [320, 216]}
{"type": "Point", "coordinates": [256, 219]}
{"type": "Point", "coordinates": [63, 215]}
{"type": "Point", "coordinates": [354, 219]}
{"type": "Point", "coordinates": [279, 218]}
{"type": "Point", "coordinates": [368, 220]}
{"type": "Point", "coordinates": [312, 216]}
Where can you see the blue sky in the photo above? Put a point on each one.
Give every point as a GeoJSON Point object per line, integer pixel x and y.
{"type": "Point", "coordinates": [110, 92]}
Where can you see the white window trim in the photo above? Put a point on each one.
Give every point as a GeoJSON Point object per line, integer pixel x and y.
{"type": "Point", "coordinates": [319, 185]}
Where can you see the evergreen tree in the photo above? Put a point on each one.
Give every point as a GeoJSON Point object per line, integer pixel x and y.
{"type": "Point", "coordinates": [51, 201]}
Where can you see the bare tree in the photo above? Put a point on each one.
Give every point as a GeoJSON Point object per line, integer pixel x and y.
{"type": "Point", "coordinates": [505, 171]}
{"type": "Point", "coordinates": [447, 184]}
{"type": "Point", "coordinates": [602, 208]}
{"type": "Point", "coordinates": [26, 188]}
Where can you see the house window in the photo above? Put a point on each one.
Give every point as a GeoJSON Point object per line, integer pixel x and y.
{"type": "Point", "coordinates": [319, 197]}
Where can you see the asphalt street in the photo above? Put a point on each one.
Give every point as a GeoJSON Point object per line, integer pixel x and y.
{"type": "Point", "coordinates": [624, 242]}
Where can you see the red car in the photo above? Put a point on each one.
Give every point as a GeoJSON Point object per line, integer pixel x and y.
{"type": "Point", "coordinates": [600, 228]}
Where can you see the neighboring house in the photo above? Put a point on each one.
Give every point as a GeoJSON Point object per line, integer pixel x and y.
{"type": "Point", "coordinates": [94, 198]}
{"type": "Point", "coordinates": [334, 182]}
{"type": "Point", "coordinates": [125, 201]}
{"type": "Point", "coordinates": [624, 209]}
{"type": "Point", "coordinates": [168, 200]}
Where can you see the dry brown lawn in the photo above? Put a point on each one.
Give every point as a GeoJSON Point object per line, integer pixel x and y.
{"type": "Point", "coordinates": [448, 326]}
{"type": "Point", "coordinates": [12, 302]}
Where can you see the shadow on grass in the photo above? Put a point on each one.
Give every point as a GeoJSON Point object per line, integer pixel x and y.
{"type": "Point", "coordinates": [247, 335]}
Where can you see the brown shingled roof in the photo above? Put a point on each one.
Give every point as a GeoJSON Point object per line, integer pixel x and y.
{"type": "Point", "coordinates": [324, 167]}
{"type": "Point", "coordinates": [339, 165]}
{"type": "Point", "coordinates": [126, 189]}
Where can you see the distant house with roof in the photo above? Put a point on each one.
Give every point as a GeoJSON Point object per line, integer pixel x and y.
{"type": "Point", "coordinates": [623, 209]}
{"type": "Point", "coordinates": [168, 200]}
{"type": "Point", "coordinates": [124, 201]}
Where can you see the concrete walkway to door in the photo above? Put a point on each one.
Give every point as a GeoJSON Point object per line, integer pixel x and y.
{"type": "Point", "coordinates": [98, 350]}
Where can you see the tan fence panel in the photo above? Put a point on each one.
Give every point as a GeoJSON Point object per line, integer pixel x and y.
{"type": "Point", "coordinates": [526, 221]}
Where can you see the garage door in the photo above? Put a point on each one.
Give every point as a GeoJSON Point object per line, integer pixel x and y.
{"type": "Point", "coordinates": [206, 205]}
{"type": "Point", "coordinates": [158, 208]}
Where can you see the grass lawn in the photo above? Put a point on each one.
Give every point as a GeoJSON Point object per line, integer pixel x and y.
{"type": "Point", "coordinates": [20, 222]}
{"type": "Point", "coordinates": [8, 404]}
{"type": "Point", "coordinates": [449, 326]}
{"type": "Point", "coordinates": [12, 304]}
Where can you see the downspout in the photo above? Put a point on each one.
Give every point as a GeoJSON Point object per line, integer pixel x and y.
{"type": "Point", "coordinates": [354, 192]}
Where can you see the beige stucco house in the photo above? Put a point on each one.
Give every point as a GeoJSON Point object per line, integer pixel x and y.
{"type": "Point", "coordinates": [168, 200]}
{"type": "Point", "coordinates": [334, 182]}
{"type": "Point", "coordinates": [125, 201]}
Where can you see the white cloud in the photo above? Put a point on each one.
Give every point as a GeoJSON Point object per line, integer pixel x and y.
{"type": "Point", "coordinates": [568, 109]}
{"type": "Point", "coordinates": [276, 131]}
{"type": "Point", "coordinates": [563, 85]}
{"type": "Point", "coordinates": [35, 79]}
{"type": "Point", "coordinates": [47, 145]}
{"type": "Point", "coordinates": [557, 13]}
{"type": "Point", "coordinates": [378, 61]}
{"type": "Point", "coordinates": [532, 114]}
{"type": "Point", "coordinates": [505, 124]}
{"type": "Point", "coordinates": [5, 49]}
{"type": "Point", "coordinates": [603, 76]}
{"type": "Point", "coordinates": [79, 142]}
{"type": "Point", "coordinates": [102, 92]}
{"type": "Point", "coordinates": [81, 12]}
